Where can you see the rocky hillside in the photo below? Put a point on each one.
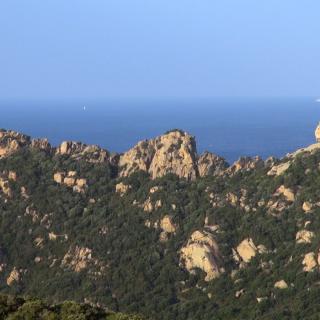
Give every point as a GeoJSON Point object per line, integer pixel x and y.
{"type": "Point", "coordinates": [161, 230]}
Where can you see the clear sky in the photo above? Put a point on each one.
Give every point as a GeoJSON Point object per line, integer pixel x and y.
{"type": "Point", "coordinates": [159, 48]}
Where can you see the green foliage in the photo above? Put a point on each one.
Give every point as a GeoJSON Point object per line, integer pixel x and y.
{"type": "Point", "coordinates": [130, 269]}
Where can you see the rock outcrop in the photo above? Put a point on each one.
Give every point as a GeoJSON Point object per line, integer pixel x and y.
{"type": "Point", "coordinates": [202, 251]}
{"type": "Point", "coordinates": [281, 284]}
{"type": "Point", "coordinates": [77, 151]}
{"type": "Point", "coordinates": [122, 188]}
{"type": "Point", "coordinates": [287, 193]}
{"type": "Point", "coordinates": [14, 277]}
{"type": "Point", "coordinates": [279, 169]}
{"type": "Point", "coordinates": [247, 250]}
{"type": "Point", "coordinates": [211, 164]}
{"type": "Point", "coordinates": [304, 236]}
{"type": "Point", "coordinates": [309, 262]}
{"type": "Point", "coordinates": [70, 179]}
{"type": "Point", "coordinates": [246, 164]}
{"type": "Point", "coordinates": [167, 224]}
{"type": "Point", "coordinates": [11, 141]}
{"type": "Point", "coordinates": [174, 152]}
{"type": "Point", "coordinates": [77, 258]}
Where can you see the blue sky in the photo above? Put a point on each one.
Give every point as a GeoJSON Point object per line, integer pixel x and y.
{"type": "Point", "coordinates": [158, 48]}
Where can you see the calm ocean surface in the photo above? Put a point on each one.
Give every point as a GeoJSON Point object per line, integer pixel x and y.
{"type": "Point", "coordinates": [228, 127]}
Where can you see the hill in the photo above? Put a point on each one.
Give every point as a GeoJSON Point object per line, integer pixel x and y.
{"type": "Point", "coordinates": [161, 230]}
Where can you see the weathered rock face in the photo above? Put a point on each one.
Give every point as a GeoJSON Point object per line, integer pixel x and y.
{"type": "Point", "coordinates": [77, 150]}
{"type": "Point", "coordinates": [202, 252]}
{"type": "Point", "coordinates": [11, 141]}
{"type": "Point", "coordinates": [42, 144]}
{"type": "Point", "coordinates": [246, 164]}
{"type": "Point", "coordinates": [247, 250]}
{"type": "Point", "coordinates": [174, 152]}
{"type": "Point", "coordinates": [287, 193]}
{"type": "Point", "coordinates": [304, 236]}
{"type": "Point", "coordinates": [279, 169]}
{"type": "Point", "coordinates": [309, 262]}
{"type": "Point", "coordinates": [317, 133]}
{"type": "Point", "coordinates": [14, 277]}
{"type": "Point", "coordinates": [167, 225]}
{"type": "Point", "coordinates": [77, 259]}
{"type": "Point", "coordinates": [137, 158]}
{"type": "Point", "coordinates": [70, 179]}
{"type": "Point", "coordinates": [122, 188]}
{"type": "Point", "coordinates": [281, 284]}
{"type": "Point", "coordinates": [307, 206]}
{"type": "Point", "coordinates": [211, 164]}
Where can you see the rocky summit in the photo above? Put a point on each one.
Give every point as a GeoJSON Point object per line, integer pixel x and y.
{"type": "Point", "coordinates": [159, 231]}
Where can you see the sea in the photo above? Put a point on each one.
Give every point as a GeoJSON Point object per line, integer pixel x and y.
{"type": "Point", "coordinates": [229, 127]}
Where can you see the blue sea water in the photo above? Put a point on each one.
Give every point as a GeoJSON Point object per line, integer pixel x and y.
{"type": "Point", "coordinates": [225, 126]}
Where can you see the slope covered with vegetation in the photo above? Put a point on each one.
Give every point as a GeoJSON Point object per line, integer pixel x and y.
{"type": "Point", "coordinates": [131, 243]}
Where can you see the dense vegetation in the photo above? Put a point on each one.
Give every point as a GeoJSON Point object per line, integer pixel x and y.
{"type": "Point", "coordinates": [131, 270]}
{"type": "Point", "coordinates": [17, 308]}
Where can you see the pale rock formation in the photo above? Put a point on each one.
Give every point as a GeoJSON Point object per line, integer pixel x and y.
{"type": "Point", "coordinates": [309, 262]}
{"type": "Point", "coordinates": [262, 249]}
{"type": "Point", "coordinates": [12, 175]}
{"type": "Point", "coordinates": [14, 277]}
{"type": "Point", "coordinates": [281, 284]}
{"type": "Point", "coordinates": [58, 177]}
{"type": "Point", "coordinates": [174, 152]}
{"type": "Point", "coordinates": [137, 158]}
{"type": "Point", "coordinates": [148, 206]}
{"type": "Point", "coordinates": [77, 258]}
{"type": "Point", "coordinates": [287, 193]}
{"type": "Point", "coordinates": [247, 250]}
{"type": "Point", "coordinates": [304, 236]}
{"type": "Point", "coordinates": [232, 199]}
{"type": "Point", "coordinates": [201, 251]}
{"type": "Point", "coordinates": [77, 151]}
{"type": "Point", "coordinates": [39, 242]}
{"type": "Point", "coordinates": [122, 188]}
{"type": "Point", "coordinates": [41, 144]}
{"type": "Point", "coordinates": [11, 141]}
{"type": "Point", "coordinates": [155, 189]}
{"type": "Point", "coordinates": [246, 164]}
{"type": "Point", "coordinates": [167, 225]}
{"type": "Point", "coordinates": [70, 180]}
{"type": "Point", "coordinates": [211, 164]}
{"type": "Point", "coordinates": [239, 293]}
{"type": "Point", "coordinates": [5, 187]}
{"type": "Point", "coordinates": [24, 193]}
{"type": "Point", "coordinates": [317, 133]}
{"type": "Point", "coordinates": [307, 206]}
{"type": "Point", "coordinates": [53, 237]}
{"type": "Point", "coordinates": [279, 169]}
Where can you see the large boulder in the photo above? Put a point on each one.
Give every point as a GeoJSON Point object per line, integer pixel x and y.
{"type": "Point", "coordinates": [202, 251]}
{"type": "Point", "coordinates": [247, 250]}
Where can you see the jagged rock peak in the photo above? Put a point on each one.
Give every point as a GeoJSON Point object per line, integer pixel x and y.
{"type": "Point", "coordinates": [174, 152]}
{"type": "Point", "coordinates": [11, 141]}
{"type": "Point", "coordinates": [211, 164]}
{"type": "Point", "coordinates": [78, 150]}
